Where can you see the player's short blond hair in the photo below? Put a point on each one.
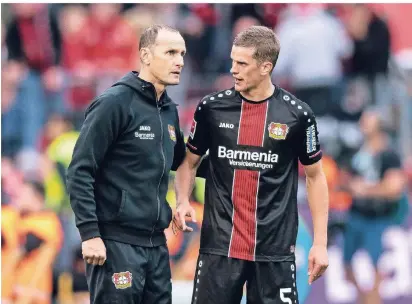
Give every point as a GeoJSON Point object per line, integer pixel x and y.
{"type": "Point", "coordinates": [263, 40]}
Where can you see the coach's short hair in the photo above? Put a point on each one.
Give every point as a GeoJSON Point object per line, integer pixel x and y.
{"type": "Point", "coordinates": [149, 35]}
{"type": "Point", "coordinates": [263, 39]}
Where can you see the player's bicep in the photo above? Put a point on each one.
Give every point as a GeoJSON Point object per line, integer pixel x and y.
{"type": "Point", "coordinates": [198, 141]}
{"type": "Point", "coordinates": [309, 149]}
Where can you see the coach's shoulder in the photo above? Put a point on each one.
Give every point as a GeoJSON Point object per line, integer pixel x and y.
{"type": "Point", "coordinates": [110, 100]}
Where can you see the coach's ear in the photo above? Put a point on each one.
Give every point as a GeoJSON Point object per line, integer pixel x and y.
{"type": "Point", "coordinates": [266, 68]}
{"type": "Point", "coordinates": [145, 56]}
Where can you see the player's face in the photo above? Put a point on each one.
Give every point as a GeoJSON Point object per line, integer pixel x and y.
{"type": "Point", "coordinates": [245, 69]}
{"type": "Point", "coordinates": [166, 57]}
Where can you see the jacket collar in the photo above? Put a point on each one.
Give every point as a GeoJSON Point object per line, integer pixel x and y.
{"type": "Point", "coordinates": [145, 89]}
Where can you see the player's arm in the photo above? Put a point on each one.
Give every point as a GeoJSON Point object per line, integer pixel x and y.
{"type": "Point", "coordinates": [197, 145]}
{"type": "Point", "coordinates": [185, 177]}
{"type": "Point", "coordinates": [310, 155]}
{"type": "Point", "coordinates": [317, 190]}
{"type": "Point", "coordinates": [180, 153]}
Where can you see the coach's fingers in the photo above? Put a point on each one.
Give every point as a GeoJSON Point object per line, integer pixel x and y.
{"type": "Point", "coordinates": [192, 213]}
{"type": "Point", "coordinates": [188, 229]}
{"type": "Point", "coordinates": [101, 260]}
{"type": "Point", "coordinates": [181, 217]}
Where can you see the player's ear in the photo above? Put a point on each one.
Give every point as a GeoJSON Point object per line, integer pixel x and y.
{"type": "Point", "coordinates": [146, 55]}
{"type": "Point", "coordinates": [265, 68]}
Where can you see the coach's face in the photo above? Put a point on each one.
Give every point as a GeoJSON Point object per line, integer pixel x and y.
{"type": "Point", "coordinates": [166, 57]}
{"type": "Point", "coordinates": [246, 71]}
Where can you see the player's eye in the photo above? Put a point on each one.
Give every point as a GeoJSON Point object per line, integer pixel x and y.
{"type": "Point", "coordinates": [170, 52]}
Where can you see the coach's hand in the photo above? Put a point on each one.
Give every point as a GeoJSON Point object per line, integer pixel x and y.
{"type": "Point", "coordinates": [318, 262]}
{"type": "Point", "coordinates": [183, 210]}
{"type": "Point", "coordinates": [94, 251]}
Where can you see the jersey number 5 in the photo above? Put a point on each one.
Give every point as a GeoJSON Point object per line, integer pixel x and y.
{"type": "Point", "coordinates": [284, 298]}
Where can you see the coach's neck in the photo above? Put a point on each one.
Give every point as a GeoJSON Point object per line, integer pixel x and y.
{"type": "Point", "coordinates": [149, 77]}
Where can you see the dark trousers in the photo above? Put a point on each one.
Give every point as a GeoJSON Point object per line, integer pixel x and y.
{"type": "Point", "coordinates": [132, 275]}
{"type": "Point", "coordinates": [220, 280]}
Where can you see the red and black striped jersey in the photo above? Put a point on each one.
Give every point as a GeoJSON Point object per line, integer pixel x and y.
{"type": "Point", "coordinates": [251, 186]}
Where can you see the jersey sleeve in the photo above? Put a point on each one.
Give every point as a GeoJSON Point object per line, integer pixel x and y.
{"type": "Point", "coordinates": [309, 150]}
{"type": "Point", "coordinates": [198, 141]}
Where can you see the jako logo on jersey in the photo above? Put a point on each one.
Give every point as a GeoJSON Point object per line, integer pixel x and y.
{"type": "Point", "coordinates": [247, 155]}
{"type": "Point", "coordinates": [278, 131]}
{"type": "Point", "coordinates": [226, 125]}
{"type": "Point", "coordinates": [122, 280]}
{"type": "Point", "coordinates": [144, 128]}
{"type": "Point", "coordinates": [172, 132]}
{"type": "Point", "coordinates": [311, 139]}
{"type": "Point", "coordinates": [193, 129]}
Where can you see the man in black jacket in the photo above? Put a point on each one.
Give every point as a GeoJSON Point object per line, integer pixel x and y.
{"type": "Point", "coordinates": [118, 177]}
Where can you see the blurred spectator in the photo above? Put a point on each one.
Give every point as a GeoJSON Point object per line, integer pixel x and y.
{"type": "Point", "coordinates": [9, 250]}
{"type": "Point", "coordinates": [71, 287]}
{"type": "Point", "coordinates": [36, 81]}
{"type": "Point", "coordinates": [377, 187]}
{"type": "Point", "coordinates": [98, 47]}
{"type": "Point", "coordinates": [40, 236]}
{"type": "Point", "coordinates": [311, 56]}
{"type": "Point", "coordinates": [372, 41]}
{"type": "Point", "coordinates": [371, 52]}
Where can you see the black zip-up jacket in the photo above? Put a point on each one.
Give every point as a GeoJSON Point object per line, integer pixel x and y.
{"type": "Point", "coordinates": [118, 177]}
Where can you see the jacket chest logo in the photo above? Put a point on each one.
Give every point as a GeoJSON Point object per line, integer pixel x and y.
{"type": "Point", "coordinates": [144, 133]}
{"type": "Point", "coordinates": [278, 131]}
{"type": "Point", "coordinates": [172, 132]}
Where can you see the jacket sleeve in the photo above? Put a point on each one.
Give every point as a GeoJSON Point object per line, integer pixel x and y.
{"type": "Point", "coordinates": [103, 123]}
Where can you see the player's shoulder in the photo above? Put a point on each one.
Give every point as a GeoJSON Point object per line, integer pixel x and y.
{"type": "Point", "coordinates": [298, 107]}
{"type": "Point", "coordinates": [219, 96]}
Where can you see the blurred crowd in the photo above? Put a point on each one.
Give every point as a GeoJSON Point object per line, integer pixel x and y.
{"type": "Point", "coordinates": [341, 59]}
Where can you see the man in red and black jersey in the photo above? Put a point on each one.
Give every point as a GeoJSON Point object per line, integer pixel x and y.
{"type": "Point", "coordinates": [255, 133]}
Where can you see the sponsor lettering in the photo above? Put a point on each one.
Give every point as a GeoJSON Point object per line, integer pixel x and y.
{"type": "Point", "coordinates": [258, 160]}
{"type": "Point", "coordinates": [311, 139]}
{"type": "Point", "coordinates": [226, 125]}
{"type": "Point", "coordinates": [144, 136]}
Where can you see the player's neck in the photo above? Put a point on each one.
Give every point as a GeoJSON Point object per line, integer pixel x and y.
{"type": "Point", "coordinates": [261, 92]}
{"type": "Point", "coordinates": [147, 76]}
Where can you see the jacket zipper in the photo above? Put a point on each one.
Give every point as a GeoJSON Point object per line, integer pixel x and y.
{"type": "Point", "coordinates": [164, 166]}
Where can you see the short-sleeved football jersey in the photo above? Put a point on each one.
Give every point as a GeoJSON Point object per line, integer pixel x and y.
{"type": "Point", "coordinates": [251, 188]}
